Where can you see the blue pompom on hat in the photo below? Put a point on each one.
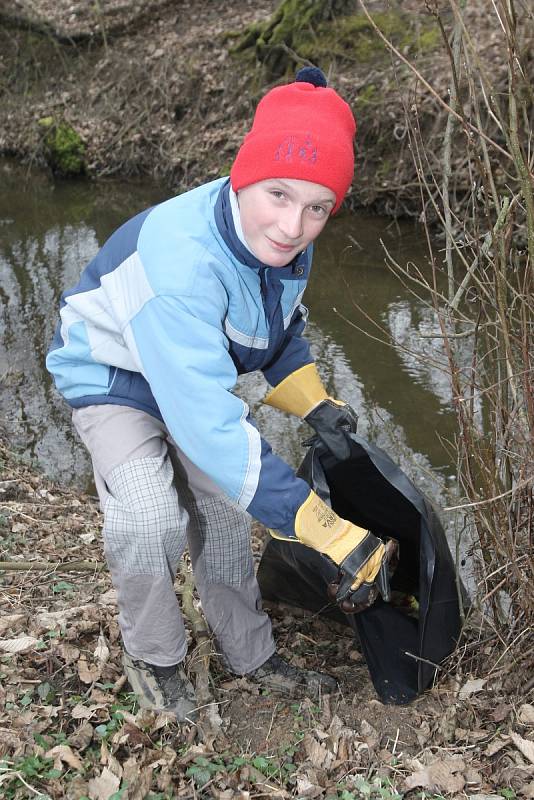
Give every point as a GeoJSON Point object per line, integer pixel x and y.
{"type": "Point", "coordinates": [312, 75]}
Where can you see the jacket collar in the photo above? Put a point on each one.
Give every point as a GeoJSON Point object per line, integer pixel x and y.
{"type": "Point", "coordinates": [297, 268]}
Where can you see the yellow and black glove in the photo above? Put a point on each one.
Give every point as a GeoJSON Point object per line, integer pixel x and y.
{"type": "Point", "coordinates": [302, 393]}
{"type": "Point", "coordinates": [359, 555]}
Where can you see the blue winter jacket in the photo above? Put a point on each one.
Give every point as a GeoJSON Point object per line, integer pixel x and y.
{"type": "Point", "coordinates": [166, 316]}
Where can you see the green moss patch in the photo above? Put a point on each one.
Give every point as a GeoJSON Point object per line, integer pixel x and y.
{"type": "Point", "coordinates": [354, 39]}
{"type": "Point", "coordinates": [63, 147]}
{"type": "Point", "coordinates": [273, 40]}
{"type": "Point", "coordinates": [306, 31]}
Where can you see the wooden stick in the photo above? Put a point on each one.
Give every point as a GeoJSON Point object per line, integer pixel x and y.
{"type": "Point", "coordinates": [58, 566]}
{"type": "Point", "coordinates": [201, 662]}
{"type": "Point", "coordinates": [209, 725]}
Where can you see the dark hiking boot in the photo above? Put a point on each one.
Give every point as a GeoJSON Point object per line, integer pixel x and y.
{"type": "Point", "coordinates": [276, 673]}
{"type": "Point", "coordinates": [161, 688]}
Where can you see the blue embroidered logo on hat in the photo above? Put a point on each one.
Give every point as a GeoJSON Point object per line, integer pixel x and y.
{"type": "Point", "coordinates": [292, 149]}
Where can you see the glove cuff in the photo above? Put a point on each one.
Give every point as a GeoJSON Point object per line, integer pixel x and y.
{"type": "Point", "coordinates": [317, 526]}
{"type": "Point", "coordinates": [299, 393]}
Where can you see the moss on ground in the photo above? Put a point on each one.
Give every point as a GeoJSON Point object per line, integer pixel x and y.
{"type": "Point", "coordinates": [309, 30]}
{"type": "Point", "coordinates": [273, 41]}
{"type": "Point", "coordinates": [63, 147]}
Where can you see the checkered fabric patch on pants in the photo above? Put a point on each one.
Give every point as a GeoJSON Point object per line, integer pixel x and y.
{"type": "Point", "coordinates": [145, 526]}
{"type": "Point", "coordinates": [224, 539]}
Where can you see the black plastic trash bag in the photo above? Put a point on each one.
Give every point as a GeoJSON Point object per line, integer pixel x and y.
{"type": "Point", "coordinates": [402, 641]}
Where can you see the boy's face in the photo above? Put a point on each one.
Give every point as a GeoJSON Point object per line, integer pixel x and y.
{"type": "Point", "coordinates": [281, 216]}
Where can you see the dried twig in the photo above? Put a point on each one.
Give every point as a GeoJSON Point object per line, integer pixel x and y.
{"type": "Point", "coordinates": [200, 663]}
{"type": "Point", "coordinates": [58, 566]}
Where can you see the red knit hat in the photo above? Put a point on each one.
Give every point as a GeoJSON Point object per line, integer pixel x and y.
{"type": "Point", "coordinates": [302, 130]}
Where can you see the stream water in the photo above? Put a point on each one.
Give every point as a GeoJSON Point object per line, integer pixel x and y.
{"type": "Point", "coordinates": [50, 230]}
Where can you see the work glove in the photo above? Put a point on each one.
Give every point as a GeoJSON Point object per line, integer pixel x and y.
{"type": "Point", "coordinates": [302, 393]}
{"type": "Point", "coordinates": [360, 556]}
{"type": "Point", "coordinates": [365, 595]}
{"type": "Point", "coordinates": [331, 421]}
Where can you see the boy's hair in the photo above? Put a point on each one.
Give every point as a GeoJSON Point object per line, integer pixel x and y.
{"type": "Point", "coordinates": [302, 130]}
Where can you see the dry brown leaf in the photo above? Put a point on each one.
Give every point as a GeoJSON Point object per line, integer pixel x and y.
{"type": "Point", "coordinates": [48, 711]}
{"type": "Point", "coordinates": [77, 787]}
{"type": "Point", "coordinates": [496, 745]}
{"type": "Point", "coordinates": [335, 730]}
{"type": "Point", "coordinates": [471, 687]}
{"type": "Point", "coordinates": [423, 733]}
{"type": "Point", "coordinates": [485, 797]}
{"type": "Point", "coordinates": [101, 652]}
{"type": "Point", "coordinates": [316, 753]}
{"type": "Point", "coordinates": [100, 697]}
{"type": "Point", "coordinates": [104, 755]}
{"type": "Point", "coordinates": [161, 758]}
{"type": "Point", "coordinates": [129, 717]}
{"type": "Point", "coordinates": [104, 786]}
{"type": "Point", "coordinates": [113, 764]}
{"type": "Point", "coordinates": [24, 720]}
{"type": "Point", "coordinates": [146, 718]}
{"type": "Point", "coordinates": [109, 598]}
{"type": "Point", "coordinates": [343, 751]}
{"type": "Point", "coordinates": [501, 712]}
{"type": "Point", "coordinates": [370, 734]}
{"type": "Point", "coordinates": [526, 714]}
{"type": "Point", "coordinates": [84, 712]}
{"type": "Point", "coordinates": [441, 776]}
{"type": "Point", "coordinates": [8, 740]}
{"type": "Point", "coordinates": [82, 736]}
{"type": "Point", "coordinates": [48, 620]}
{"type": "Point", "coordinates": [472, 735]}
{"type": "Point", "coordinates": [193, 752]}
{"type": "Point", "coordinates": [305, 788]}
{"type": "Point", "coordinates": [135, 736]}
{"type": "Point", "coordinates": [19, 527]}
{"type": "Point", "coordinates": [86, 673]}
{"type": "Point", "coordinates": [10, 621]}
{"type": "Point", "coordinates": [63, 753]}
{"type": "Point", "coordinates": [524, 745]}
{"type": "Point", "coordinates": [472, 776]}
{"type": "Point", "coordinates": [20, 645]}
{"type": "Point", "coordinates": [513, 777]}
{"type": "Point", "coordinates": [68, 652]}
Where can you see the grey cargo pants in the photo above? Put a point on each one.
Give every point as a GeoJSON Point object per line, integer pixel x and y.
{"type": "Point", "coordinates": [155, 501]}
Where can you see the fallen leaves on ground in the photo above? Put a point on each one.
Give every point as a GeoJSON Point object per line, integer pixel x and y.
{"type": "Point", "coordinates": [69, 727]}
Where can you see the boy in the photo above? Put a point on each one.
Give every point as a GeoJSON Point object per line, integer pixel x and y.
{"type": "Point", "coordinates": [179, 301]}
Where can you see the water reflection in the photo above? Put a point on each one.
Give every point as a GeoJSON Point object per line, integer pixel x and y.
{"type": "Point", "coordinates": [50, 231]}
